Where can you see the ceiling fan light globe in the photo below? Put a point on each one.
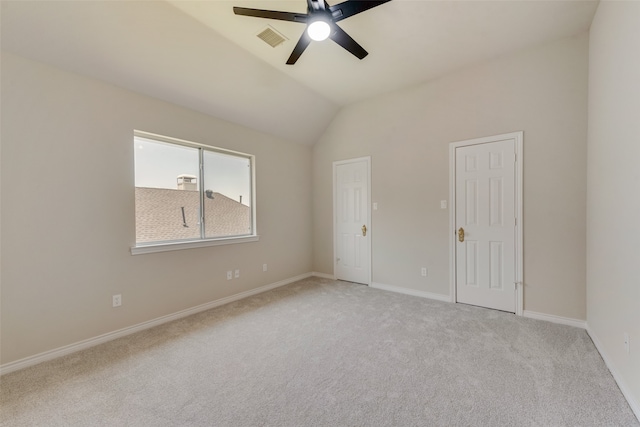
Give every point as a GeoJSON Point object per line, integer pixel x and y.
{"type": "Point", "coordinates": [319, 30]}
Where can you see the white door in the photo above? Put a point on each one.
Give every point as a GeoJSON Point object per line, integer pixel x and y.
{"type": "Point", "coordinates": [485, 224]}
{"type": "Point", "coordinates": [351, 218]}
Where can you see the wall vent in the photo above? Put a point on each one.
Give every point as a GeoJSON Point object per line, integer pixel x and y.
{"type": "Point", "coordinates": [271, 37]}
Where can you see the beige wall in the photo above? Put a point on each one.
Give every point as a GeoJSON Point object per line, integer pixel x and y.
{"type": "Point", "coordinates": [65, 248]}
{"type": "Point", "coordinates": [541, 91]}
{"type": "Point", "coordinates": [613, 209]}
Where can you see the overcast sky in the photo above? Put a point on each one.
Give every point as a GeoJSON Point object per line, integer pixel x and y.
{"type": "Point", "coordinates": [158, 166]}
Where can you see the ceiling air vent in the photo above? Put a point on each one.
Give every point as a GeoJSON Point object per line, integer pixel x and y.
{"type": "Point", "coordinates": [271, 37]}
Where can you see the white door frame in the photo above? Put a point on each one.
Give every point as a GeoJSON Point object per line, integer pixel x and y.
{"type": "Point", "coordinates": [366, 159]}
{"type": "Point", "coordinates": [519, 247]}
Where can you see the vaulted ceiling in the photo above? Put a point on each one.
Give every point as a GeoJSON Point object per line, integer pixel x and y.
{"type": "Point", "coordinates": [200, 55]}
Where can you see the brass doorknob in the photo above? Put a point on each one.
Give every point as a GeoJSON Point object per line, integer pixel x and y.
{"type": "Point", "coordinates": [461, 234]}
{"type": "Point", "coordinates": [364, 230]}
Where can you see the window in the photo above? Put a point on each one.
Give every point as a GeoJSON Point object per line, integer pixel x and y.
{"type": "Point", "coordinates": [190, 195]}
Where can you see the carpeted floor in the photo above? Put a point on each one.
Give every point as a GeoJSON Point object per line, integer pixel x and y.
{"type": "Point", "coordinates": [325, 353]}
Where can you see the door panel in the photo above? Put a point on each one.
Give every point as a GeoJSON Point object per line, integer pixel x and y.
{"type": "Point", "coordinates": [485, 210]}
{"type": "Point", "coordinates": [352, 213]}
{"type": "Point", "coordinates": [471, 255]}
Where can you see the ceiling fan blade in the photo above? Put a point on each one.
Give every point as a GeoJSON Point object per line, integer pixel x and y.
{"type": "Point", "coordinates": [315, 5]}
{"type": "Point", "coordinates": [300, 47]}
{"type": "Point", "coordinates": [343, 39]}
{"type": "Point", "coordinates": [349, 8]}
{"type": "Point", "coordinates": [270, 14]}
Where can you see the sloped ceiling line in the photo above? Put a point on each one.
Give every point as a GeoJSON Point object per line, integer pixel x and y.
{"type": "Point", "coordinates": [200, 55]}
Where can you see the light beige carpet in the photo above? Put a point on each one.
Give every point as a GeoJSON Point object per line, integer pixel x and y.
{"type": "Point", "coordinates": [326, 353]}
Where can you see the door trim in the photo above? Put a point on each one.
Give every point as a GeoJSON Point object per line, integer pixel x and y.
{"type": "Point", "coordinates": [519, 246]}
{"type": "Point", "coordinates": [337, 163]}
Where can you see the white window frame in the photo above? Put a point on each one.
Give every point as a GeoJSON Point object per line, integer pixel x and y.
{"type": "Point", "coordinates": [146, 248]}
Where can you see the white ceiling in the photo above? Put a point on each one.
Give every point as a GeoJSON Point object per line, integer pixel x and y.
{"type": "Point", "coordinates": [200, 55]}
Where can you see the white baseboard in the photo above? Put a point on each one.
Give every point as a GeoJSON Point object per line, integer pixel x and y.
{"type": "Point", "coordinates": [412, 292]}
{"type": "Point", "coordinates": [91, 342]}
{"type": "Point", "coordinates": [323, 275]}
{"type": "Point", "coordinates": [555, 319]}
{"type": "Point", "coordinates": [634, 404]}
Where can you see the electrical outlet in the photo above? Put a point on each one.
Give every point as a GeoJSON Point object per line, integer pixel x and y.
{"type": "Point", "coordinates": [237, 274]}
{"type": "Point", "coordinates": [117, 300]}
{"type": "Point", "coordinates": [264, 267]}
{"type": "Point", "coordinates": [626, 342]}
{"type": "Point", "coordinates": [229, 275]}
{"type": "Point", "coordinates": [424, 271]}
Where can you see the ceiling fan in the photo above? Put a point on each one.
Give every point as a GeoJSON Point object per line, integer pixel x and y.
{"type": "Point", "coordinates": [321, 20]}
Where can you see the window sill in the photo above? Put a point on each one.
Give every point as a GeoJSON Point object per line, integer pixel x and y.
{"type": "Point", "coordinates": [166, 247]}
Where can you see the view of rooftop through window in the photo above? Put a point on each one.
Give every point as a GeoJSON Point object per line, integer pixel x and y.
{"type": "Point", "coordinates": [158, 165]}
{"type": "Point", "coordinates": [171, 201]}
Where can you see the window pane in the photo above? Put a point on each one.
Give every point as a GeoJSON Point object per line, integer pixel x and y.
{"type": "Point", "coordinates": [167, 191]}
{"type": "Point", "coordinates": [227, 201]}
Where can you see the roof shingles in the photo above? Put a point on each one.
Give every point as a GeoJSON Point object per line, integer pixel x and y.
{"type": "Point", "coordinates": [159, 215]}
